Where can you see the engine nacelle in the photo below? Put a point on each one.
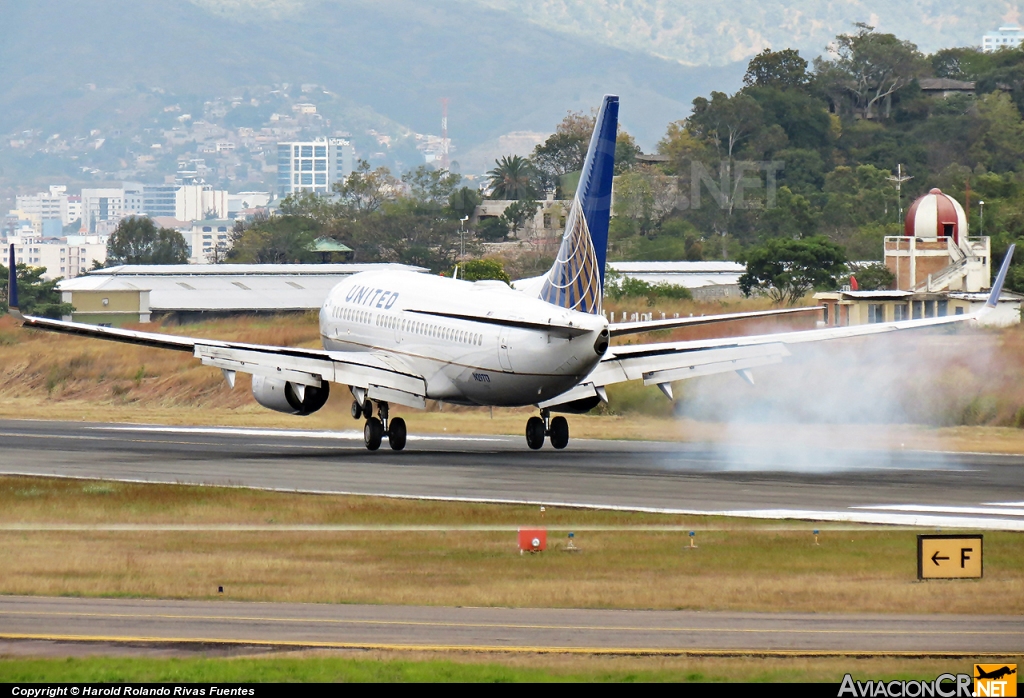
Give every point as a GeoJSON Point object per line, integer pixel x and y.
{"type": "Point", "coordinates": [290, 398]}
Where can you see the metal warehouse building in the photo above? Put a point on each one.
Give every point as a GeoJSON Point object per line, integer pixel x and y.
{"type": "Point", "coordinates": [131, 294]}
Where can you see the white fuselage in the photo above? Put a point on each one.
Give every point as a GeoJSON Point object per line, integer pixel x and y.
{"type": "Point", "coordinates": [463, 360]}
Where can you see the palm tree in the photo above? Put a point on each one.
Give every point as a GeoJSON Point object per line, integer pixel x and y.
{"type": "Point", "coordinates": [513, 178]}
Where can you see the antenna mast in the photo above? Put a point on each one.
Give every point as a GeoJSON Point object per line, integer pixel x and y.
{"type": "Point", "coordinates": [900, 178]}
{"type": "Point", "coordinates": [444, 133]}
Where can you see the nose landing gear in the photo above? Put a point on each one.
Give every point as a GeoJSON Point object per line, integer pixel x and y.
{"type": "Point", "coordinates": [537, 428]}
{"type": "Point", "coordinates": [376, 428]}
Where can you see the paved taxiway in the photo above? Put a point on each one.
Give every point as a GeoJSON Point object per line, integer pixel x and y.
{"type": "Point", "coordinates": [904, 487]}
{"type": "Point", "coordinates": [502, 629]}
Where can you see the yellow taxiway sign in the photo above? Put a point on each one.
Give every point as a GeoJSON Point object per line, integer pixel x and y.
{"type": "Point", "coordinates": [949, 557]}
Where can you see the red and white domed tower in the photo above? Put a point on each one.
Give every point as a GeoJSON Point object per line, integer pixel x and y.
{"type": "Point", "coordinates": [936, 215]}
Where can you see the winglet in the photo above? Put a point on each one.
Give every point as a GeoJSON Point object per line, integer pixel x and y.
{"type": "Point", "coordinates": [997, 287]}
{"type": "Point", "coordinates": [12, 285]}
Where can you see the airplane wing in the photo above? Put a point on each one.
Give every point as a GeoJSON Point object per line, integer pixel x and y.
{"type": "Point", "coordinates": [617, 329]}
{"type": "Point", "coordinates": [663, 363]}
{"type": "Point", "coordinates": [374, 375]}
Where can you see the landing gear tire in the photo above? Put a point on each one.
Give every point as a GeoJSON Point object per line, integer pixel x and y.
{"type": "Point", "coordinates": [535, 432]}
{"type": "Point", "coordinates": [559, 432]}
{"type": "Point", "coordinates": [396, 434]}
{"type": "Point", "coordinates": [367, 409]}
{"type": "Point", "coordinates": [357, 410]}
{"type": "Point", "coordinates": [373, 432]}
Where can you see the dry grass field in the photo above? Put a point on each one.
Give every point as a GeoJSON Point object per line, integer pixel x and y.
{"type": "Point", "coordinates": [739, 565]}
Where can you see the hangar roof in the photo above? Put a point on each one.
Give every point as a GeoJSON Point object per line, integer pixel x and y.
{"type": "Point", "coordinates": [226, 287]}
{"type": "Point", "coordinates": [687, 274]}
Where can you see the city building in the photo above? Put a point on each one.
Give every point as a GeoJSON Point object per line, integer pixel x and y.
{"type": "Point", "coordinates": [194, 202]}
{"type": "Point", "coordinates": [159, 200]}
{"type": "Point", "coordinates": [47, 205]}
{"type": "Point", "coordinates": [61, 258]}
{"type": "Point", "coordinates": [101, 206]}
{"type": "Point", "coordinates": [313, 166]}
{"type": "Point", "coordinates": [1004, 37]}
{"type": "Point", "coordinates": [245, 200]}
{"type": "Point", "coordinates": [208, 241]}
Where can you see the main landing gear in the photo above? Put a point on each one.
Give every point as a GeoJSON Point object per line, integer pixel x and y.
{"type": "Point", "coordinates": [376, 428]}
{"type": "Point", "coordinates": [556, 429]}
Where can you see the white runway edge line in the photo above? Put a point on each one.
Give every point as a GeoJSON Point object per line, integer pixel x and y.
{"type": "Point", "coordinates": [852, 516]}
{"type": "Point", "coordinates": [1003, 504]}
{"type": "Point", "coordinates": [943, 509]}
{"type": "Point", "coordinates": [287, 433]}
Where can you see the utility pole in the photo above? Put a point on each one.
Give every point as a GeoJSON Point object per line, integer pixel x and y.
{"type": "Point", "coordinates": [900, 178]}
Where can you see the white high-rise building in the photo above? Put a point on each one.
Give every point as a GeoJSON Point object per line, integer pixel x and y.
{"type": "Point", "coordinates": [100, 206]}
{"type": "Point", "coordinates": [195, 202]}
{"type": "Point", "coordinates": [1004, 37]}
{"type": "Point", "coordinates": [313, 166]}
{"type": "Point", "coordinates": [46, 205]}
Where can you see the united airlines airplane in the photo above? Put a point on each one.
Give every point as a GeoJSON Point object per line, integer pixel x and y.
{"type": "Point", "coordinates": [402, 338]}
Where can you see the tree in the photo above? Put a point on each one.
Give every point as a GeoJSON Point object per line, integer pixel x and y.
{"type": "Point", "coordinates": [36, 296]}
{"type": "Point", "coordinates": [407, 231]}
{"type": "Point", "coordinates": [565, 150]}
{"type": "Point", "coordinates": [482, 269]}
{"type": "Point", "coordinates": [277, 240]}
{"type": "Point", "coordinates": [779, 69]}
{"type": "Point", "coordinates": [366, 190]}
{"type": "Point", "coordinates": [463, 202]}
{"type": "Point", "coordinates": [998, 136]}
{"type": "Point", "coordinates": [310, 205]}
{"type": "Point", "coordinates": [519, 213]}
{"type": "Point", "coordinates": [786, 269]}
{"type": "Point", "coordinates": [724, 121]}
{"type": "Point", "coordinates": [492, 229]}
{"type": "Point", "coordinates": [432, 186]}
{"type": "Point", "coordinates": [869, 69]}
{"type": "Point", "coordinates": [136, 240]}
{"type": "Point", "coordinates": [643, 199]}
{"type": "Point", "coordinates": [513, 178]}
{"type": "Point", "coordinates": [872, 277]}
{"type": "Point", "coordinates": [791, 217]}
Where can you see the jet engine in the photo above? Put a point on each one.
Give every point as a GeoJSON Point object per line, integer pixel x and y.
{"type": "Point", "coordinates": [287, 397]}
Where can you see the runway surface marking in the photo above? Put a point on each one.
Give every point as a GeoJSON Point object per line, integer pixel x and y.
{"type": "Point", "coordinates": [348, 435]}
{"type": "Point", "coordinates": [872, 518]}
{"type": "Point", "coordinates": [1003, 504]}
{"type": "Point", "coordinates": [507, 626]}
{"type": "Point", "coordinates": [514, 649]}
{"type": "Point", "coordinates": [1001, 511]}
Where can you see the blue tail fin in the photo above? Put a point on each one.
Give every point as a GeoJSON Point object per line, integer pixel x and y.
{"type": "Point", "coordinates": [576, 280]}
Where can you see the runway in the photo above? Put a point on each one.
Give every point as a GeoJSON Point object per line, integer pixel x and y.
{"type": "Point", "coordinates": [917, 488]}
{"type": "Point", "coordinates": [592, 631]}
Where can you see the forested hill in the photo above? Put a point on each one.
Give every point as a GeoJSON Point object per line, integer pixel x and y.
{"type": "Point", "coordinates": [834, 133]}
